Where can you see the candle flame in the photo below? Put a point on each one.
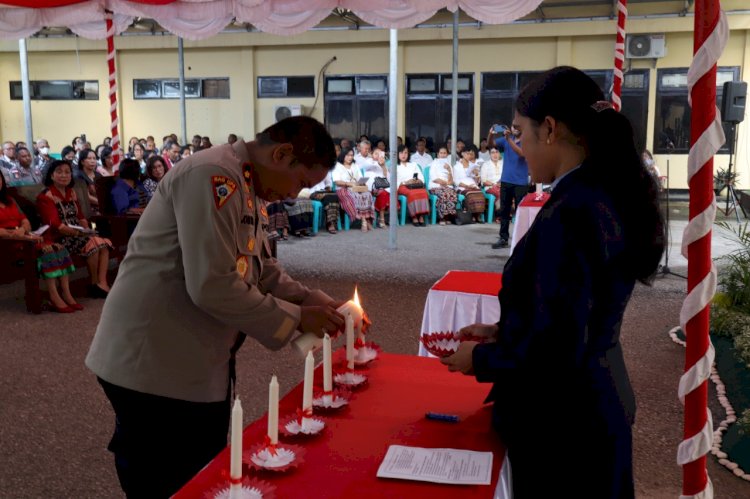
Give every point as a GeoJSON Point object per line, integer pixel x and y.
{"type": "Point", "coordinates": [356, 297]}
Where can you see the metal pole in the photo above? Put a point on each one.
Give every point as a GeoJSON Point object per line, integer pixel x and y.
{"type": "Point", "coordinates": [181, 65]}
{"type": "Point", "coordinates": [392, 103]}
{"type": "Point", "coordinates": [26, 93]}
{"type": "Point", "coordinates": [454, 93]}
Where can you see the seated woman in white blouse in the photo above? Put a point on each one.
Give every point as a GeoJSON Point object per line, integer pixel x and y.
{"type": "Point", "coordinates": [382, 195]}
{"type": "Point", "coordinates": [323, 192]}
{"type": "Point", "coordinates": [356, 201]}
{"type": "Point", "coordinates": [442, 186]}
{"type": "Point", "coordinates": [466, 176]}
{"type": "Point", "coordinates": [417, 199]}
{"type": "Point", "coordinates": [491, 172]}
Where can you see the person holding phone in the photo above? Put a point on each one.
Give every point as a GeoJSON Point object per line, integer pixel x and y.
{"type": "Point", "coordinates": [514, 181]}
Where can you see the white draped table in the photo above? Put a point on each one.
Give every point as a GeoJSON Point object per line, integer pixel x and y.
{"type": "Point", "coordinates": [527, 210]}
{"type": "Point", "coordinates": [458, 299]}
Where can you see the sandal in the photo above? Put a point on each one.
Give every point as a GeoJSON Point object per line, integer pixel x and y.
{"type": "Point", "coordinates": [442, 222]}
{"type": "Point", "coordinates": [332, 230]}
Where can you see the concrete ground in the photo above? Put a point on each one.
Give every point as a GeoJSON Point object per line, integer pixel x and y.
{"type": "Point", "coordinates": [55, 422]}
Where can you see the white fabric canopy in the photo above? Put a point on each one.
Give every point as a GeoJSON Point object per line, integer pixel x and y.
{"type": "Point", "coordinates": [199, 19]}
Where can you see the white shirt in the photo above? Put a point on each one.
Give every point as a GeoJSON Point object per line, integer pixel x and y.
{"type": "Point", "coordinates": [406, 172]}
{"type": "Point", "coordinates": [421, 159]}
{"type": "Point", "coordinates": [491, 172]}
{"type": "Point", "coordinates": [324, 184]}
{"type": "Point", "coordinates": [366, 164]}
{"type": "Point", "coordinates": [344, 174]}
{"type": "Point", "coordinates": [463, 175]}
{"type": "Point", "coordinates": [484, 156]}
{"type": "Point", "coordinates": [440, 169]}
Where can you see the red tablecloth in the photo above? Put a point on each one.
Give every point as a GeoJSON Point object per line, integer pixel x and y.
{"type": "Point", "coordinates": [343, 461]}
{"type": "Point", "coordinates": [483, 283]}
{"type": "Point", "coordinates": [531, 199]}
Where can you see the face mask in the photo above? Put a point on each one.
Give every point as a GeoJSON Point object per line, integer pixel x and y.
{"type": "Point", "coordinates": [44, 151]}
{"type": "Point", "coordinates": [649, 162]}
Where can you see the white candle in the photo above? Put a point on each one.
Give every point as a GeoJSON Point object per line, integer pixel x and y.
{"type": "Point", "coordinates": [307, 389]}
{"type": "Point", "coordinates": [235, 467]}
{"type": "Point", "coordinates": [349, 342]}
{"type": "Point", "coordinates": [327, 367]}
{"type": "Point", "coordinates": [273, 411]}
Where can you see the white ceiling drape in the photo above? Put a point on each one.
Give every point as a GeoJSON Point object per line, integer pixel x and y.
{"type": "Point", "coordinates": [199, 19]}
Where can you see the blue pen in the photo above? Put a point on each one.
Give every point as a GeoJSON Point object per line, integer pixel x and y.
{"type": "Point", "coordinates": [448, 418]}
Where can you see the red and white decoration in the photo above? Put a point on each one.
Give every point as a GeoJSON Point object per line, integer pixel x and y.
{"type": "Point", "coordinates": [622, 15]}
{"type": "Point", "coordinates": [707, 136]}
{"type": "Point", "coordinates": [113, 92]}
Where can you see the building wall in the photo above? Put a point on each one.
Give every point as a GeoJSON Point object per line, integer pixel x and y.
{"type": "Point", "coordinates": [244, 56]}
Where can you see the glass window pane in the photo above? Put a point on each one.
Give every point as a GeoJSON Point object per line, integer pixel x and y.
{"type": "Point", "coordinates": [672, 124]}
{"type": "Point", "coordinates": [498, 82]}
{"type": "Point", "coordinates": [340, 86]}
{"type": "Point", "coordinates": [372, 85]}
{"type": "Point", "coordinates": [90, 90]}
{"type": "Point", "coordinates": [300, 86]}
{"type": "Point", "coordinates": [464, 84]}
{"type": "Point", "coordinates": [635, 108]}
{"type": "Point", "coordinates": [420, 121]}
{"type": "Point", "coordinates": [216, 88]}
{"type": "Point", "coordinates": [634, 80]}
{"type": "Point", "coordinates": [171, 89]}
{"type": "Point", "coordinates": [58, 90]}
{"type": "Point", "coordinates": [373, 118]}
{"type": "Point", "coordinates": [674, 80]}
{"type": "Point", "coordinates": [271, 87]}
{"type": "Point", "coordinates": [422, 84]}
{"type": "Point", "coordinates": [525, 77]}
{"type": "Point", "coordinates": [724, 76]}
{"type": "Point", "coordinates": [600, 78]}
{"type": "Point", "coordinates": [146, 89]}
{"type": "Point", "coordinates": [465, 118]}
{"type": "Point", "coordinates": [339, 118]}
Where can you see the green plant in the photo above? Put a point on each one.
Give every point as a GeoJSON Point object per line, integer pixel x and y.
{"type": "Point", "coordinates": [735, 276]}
{"type": "Point", "coordinates": [744, 422]}
{"type": "Point", "coordinates": [728, 322]}
{"type": "Point", "coordinates": [742, 346]}
{"type": "Point", "coordinates": [723, 178]}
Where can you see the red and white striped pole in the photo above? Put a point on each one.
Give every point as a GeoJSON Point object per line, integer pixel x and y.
{"type": "Point", "coordinates": [622, 15]}
{"type": "Point", "coordinates": [113, 91]}
{"type": "Point", "coordinates": [706, 136]}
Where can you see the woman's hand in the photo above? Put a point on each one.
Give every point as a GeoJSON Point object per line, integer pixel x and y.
{"type": "Point", "coordinates": [461, 361]}
{"type": "Point", "coordinates": [486, 331]}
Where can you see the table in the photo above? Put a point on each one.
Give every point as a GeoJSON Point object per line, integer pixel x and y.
{"type": "Point", "coordinates": [458, 299]}
{"type": "Point", "coordinates": [343, 461]}
{"type": "Point", "coordinates": [526, 212]}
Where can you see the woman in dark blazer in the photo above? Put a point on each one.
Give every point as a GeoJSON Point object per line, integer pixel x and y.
{"type": "Point", "coordinates": [564, 406]}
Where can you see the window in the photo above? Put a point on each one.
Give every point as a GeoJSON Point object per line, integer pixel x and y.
{"type": "Point", "coordinates": [169, 88]}
{"type": "Point", "coordinates": [286, 86]}
{"type": "Point", "coordinates": [672, 126]}
{"type": "Point", "coordinates": [357, 105]}
{"type": "Point", "coordinates": [57, 90]}
{"type": "Point", "coordinates": [499, 92]}
{"type": "Point", "coordinates": [428, 108]}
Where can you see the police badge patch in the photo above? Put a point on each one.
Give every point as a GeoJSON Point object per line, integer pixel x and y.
{"type": "Point", "coordinates": [242, 266]}
{"type": "Point", "coordinates": [223, 188]}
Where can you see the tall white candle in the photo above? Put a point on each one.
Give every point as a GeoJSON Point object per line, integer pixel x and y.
{"type": "Point", "coordinates": [235, 466]}
{"type": "Point", "coordinates": [327, 366]}
{"type": "Point", "coordinates": [349, 342]}
{"type": "Point", "coordinates": [273, 410]}
{"type": "Point", "coordinates": [307, 392]}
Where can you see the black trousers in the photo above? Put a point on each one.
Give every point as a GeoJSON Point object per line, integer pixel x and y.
{"type": "Point", "coordinates": [161, 443]}
{"type": "Point", "coordinates": [509, 193]}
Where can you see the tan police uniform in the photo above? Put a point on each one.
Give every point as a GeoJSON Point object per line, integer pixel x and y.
{"type": "Point", "coordinates": [198, 270]}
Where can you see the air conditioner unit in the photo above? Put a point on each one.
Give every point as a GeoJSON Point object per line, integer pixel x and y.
{"type": "Point", "coordinates": [645, 46]}
{"type": "Point", "coordinates": [286, 110]}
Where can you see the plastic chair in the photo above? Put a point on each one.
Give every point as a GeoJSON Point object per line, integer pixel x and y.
{"type": "Point", "coordinates": [490, 205]}
{"type": "Point", "coordinates": [317, 211]}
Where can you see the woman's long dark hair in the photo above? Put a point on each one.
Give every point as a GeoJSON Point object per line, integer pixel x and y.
{"type": "Point", "coordinates": [569, 96]}
{"type": "Point", "coordinates": [343, 153]}
{"type": "Point", "coordinates": [4, 197]}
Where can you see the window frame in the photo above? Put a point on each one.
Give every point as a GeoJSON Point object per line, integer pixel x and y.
{"type": "Point", "coordinates": [15, 90]}
{"type": "Point", "coordinates": [284, 80]}
{"type": "Point", "coordinates": [162, 83]}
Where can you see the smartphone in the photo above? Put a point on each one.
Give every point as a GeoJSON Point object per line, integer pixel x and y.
{"type": "Point", "coordinates": [416, 176]}
{"type": "Point", "coordinates": [499, 129]}
{"type": "Point", "coordinates": [83, 138]}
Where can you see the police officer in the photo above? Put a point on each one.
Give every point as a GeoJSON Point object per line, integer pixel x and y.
{"type": "Point", "coordinates": [198, 270]}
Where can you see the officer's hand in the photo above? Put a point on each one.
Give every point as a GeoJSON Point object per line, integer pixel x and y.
{"type": "Point", "coordinates": [321, 319]}
{"type": "Point", "coordinates": [487, 332]}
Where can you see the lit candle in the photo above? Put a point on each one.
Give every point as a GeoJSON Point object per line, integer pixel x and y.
{"type": "Point", "coordinates": [235, 467]}
{"type": "Point", "coordinates": [273, 411]}
{"type": "Point", "coordinates": [349, 342]}
{"type": "Point", "coordinates": [93, 226]}
{"type": "Point", "coordinates": [309, 342]}
{"type": "Point", "coordinates": [307, 389]}
{"type": "Point", "coordinates": [327, 369]}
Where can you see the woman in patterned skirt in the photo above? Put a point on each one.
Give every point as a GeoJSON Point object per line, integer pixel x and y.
{"type": "Point", "coordinates": [58, 207]}
{"type": "Point", "coordinates": [466, 173]}
{"type": "Point", "coordinates": [355, 199]}
{"type": "Point", "coordinates": [409, 177]}
{"type": "Point", "coordinates": [54, 263]}
{"type": "Point", "coordinates": [323, 192]}
{"type": "Point", "coordinates": [442, 186]}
